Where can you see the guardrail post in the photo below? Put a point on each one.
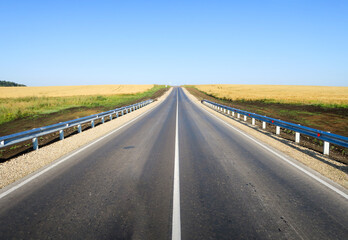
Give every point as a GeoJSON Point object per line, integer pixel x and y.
{"type": "Point", "coordinates": [277, 130]}
{"type": "Point", "coordinates": [110, 117]}
{"type": "Point", "coordinates": [35, 144]}
{"type": "Point", "coordinates": [92, 123]}
{"type": "Point", "coordinates": [122, 112]}
{"type": "Point", "coordinates": [117, 115]}
{"type": "Point", "coordinates": [228, 112]}
{"type": "Point", "coordinates": [297, 137]}
{"type": "Point", "coordinates": [233, 113]}
{"type": "Point", "coordinates": [245, 118]}
{"type": "Point", "coordinates": [263, 125]}
{"type": "Point", "coordinates": [326, 148]}
{"type": "Point", "coordinates": [224, 110]}
{"type": "Point", "coordinates": [253, 121]}
{"type": "Point", "coordinates": [79, 129]}
{"type": "Point", "coordinates": [61, 134]}
{"type": "Point", "coordinates": [238, 115]}
{"type": "Point", "coordinates": [102, 119]}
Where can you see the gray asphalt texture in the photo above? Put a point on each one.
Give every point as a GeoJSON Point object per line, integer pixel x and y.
{"type": "Point", "coordinates": [122, 187]}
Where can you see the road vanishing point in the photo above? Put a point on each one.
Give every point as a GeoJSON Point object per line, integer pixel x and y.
{"type": "Point", "coordinates": [175, 172]}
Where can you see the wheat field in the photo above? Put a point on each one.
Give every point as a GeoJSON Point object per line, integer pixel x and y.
{"type": "Point", "coordinates": [67, 91]}
{"type": "Point", "coordinates": [320, 95]}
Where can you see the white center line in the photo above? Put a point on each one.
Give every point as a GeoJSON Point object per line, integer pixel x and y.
{"type": "Point", "coordinates": [176, 224]}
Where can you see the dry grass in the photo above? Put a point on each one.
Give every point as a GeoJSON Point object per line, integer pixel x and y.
{"type": "Point", "coordinates": [328, 96]}
{"type": "Point", "coordinates": [65, 91]}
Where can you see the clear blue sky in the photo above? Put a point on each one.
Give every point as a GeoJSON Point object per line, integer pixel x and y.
{"type": "Point", "coordinates": [48, 43]}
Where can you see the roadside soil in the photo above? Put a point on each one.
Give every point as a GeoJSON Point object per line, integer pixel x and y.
{"type": "Point", "coordinates": [24, 124]}
{"type": "Point", "coordinates": [334, 120]}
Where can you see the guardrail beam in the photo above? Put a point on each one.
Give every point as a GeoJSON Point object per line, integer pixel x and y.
{"type": "Point", "coordinates": [34, 134]}
{"type": "Point", "coordinates": [326, 137]}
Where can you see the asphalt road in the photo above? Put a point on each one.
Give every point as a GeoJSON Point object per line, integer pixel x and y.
{"type": "Point", "coordinates": [122, 187]}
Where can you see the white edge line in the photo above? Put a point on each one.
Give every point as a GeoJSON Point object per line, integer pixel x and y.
{"type": "Point", "coordinates": [282, 157]}
{"type": "Point", "coordinates": [176, 225]}
{"type": "Point", "coordinates": [21, 184]}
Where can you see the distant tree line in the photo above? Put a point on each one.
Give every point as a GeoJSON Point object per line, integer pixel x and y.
{"type": "Point", "coordinates": [10, 84]}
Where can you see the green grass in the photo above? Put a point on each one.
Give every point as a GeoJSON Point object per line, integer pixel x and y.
{"type": "Point", "coordinates": [31, 107]}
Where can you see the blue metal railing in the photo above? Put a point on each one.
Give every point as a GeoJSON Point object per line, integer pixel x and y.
{"type": "Point", "coordinates": [319, 134]}
{"type": "Point", "coordinates": [35, 133]}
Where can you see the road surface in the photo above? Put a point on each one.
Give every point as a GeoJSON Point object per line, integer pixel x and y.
{"type": "Point", "coordinates": [122, 187]}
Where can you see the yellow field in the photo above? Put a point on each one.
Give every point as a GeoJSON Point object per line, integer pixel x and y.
{"type": "Point", "coordinates": [66, 91]}
{"type": "Point", "coordinates": [279, 93]}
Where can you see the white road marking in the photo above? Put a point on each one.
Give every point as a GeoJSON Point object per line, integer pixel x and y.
{"type": "Point", "coordinates": [21, 184]}
{"type": "Point", "coordinates": [176, 224]}
{"type": "Point", "coordinates": [283, 158]}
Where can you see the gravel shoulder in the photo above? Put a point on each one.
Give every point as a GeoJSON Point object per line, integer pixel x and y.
{"type": "Point", "coordinates": [331, 169]}
{"type": "Point", "coordinates": [17, 168]}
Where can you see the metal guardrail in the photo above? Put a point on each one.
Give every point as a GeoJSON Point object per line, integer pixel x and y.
{"type": "Point", "coordinates": [35, 133]}
{"type": "Point", "coordinates": [326, 137]}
